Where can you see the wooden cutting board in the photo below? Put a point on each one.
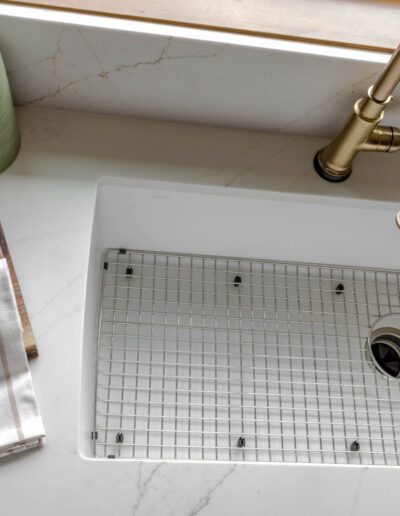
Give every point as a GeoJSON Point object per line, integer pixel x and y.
{"type": "Point", "coordinates": [29, 338]}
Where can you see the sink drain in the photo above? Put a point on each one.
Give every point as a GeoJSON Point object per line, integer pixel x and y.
{"type": "Point", "coordinates": [383, 349]}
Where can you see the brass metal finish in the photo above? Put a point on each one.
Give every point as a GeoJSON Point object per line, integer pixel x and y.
{"type": "Point", "coordinates": [362, 131]}
{"type": "Point", "coordinates": [382, 139]}
{"type": "Point", "coordinates": [389, 78]}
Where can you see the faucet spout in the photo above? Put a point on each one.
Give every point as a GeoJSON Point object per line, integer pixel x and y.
{"type": "Point", "coordinates": [362, 131]}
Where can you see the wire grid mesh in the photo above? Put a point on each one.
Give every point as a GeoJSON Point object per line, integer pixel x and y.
{"type": "Point", "coordinates": [223, 359]}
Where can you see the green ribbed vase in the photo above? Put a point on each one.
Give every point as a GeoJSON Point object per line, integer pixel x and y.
{"type": "Point", "coordinates": [9, 134]}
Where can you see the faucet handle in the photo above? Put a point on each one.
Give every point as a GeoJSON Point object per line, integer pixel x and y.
{"type": "Point", "coordinates": [382, 139]}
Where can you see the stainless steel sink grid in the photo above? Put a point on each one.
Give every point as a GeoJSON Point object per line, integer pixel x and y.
{"type": "Point", "coordinates": [226, 359]}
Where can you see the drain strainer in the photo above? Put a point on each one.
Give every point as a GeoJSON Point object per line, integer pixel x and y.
{"type": "Point", "coordinates": [383, 349]}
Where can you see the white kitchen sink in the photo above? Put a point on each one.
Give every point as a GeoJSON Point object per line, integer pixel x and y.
{"type": "Point", "coordinates": [211, 334]}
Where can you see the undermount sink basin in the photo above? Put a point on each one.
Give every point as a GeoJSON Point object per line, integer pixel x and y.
{"type": "Point", "coordinates": [225, 324]}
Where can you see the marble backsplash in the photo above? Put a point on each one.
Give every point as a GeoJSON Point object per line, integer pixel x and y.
{"type": "Point", "coordinates": [166, 76]}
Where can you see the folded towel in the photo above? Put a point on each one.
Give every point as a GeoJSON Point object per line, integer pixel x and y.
{"type": "Point", "coordinates": [21, 426]}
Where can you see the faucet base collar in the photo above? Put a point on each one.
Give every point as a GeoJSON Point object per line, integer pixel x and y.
{"type": "Point", "coordinates": [326, 174]}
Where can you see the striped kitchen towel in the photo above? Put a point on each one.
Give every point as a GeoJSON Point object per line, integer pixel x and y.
{"type": "Point", "coordinates": [21, 426]}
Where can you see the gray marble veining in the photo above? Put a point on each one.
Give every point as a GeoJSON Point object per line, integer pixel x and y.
{"type": "Point", "coordinates": [72, 67]}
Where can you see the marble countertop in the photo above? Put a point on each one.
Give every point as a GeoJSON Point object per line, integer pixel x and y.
{"type": "Point", "coordinates": [46, 202]}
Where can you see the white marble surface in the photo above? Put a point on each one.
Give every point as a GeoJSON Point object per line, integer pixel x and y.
{"type": "Point", "coordinates": [46, 201]}
{"type": "Point", "coordinates": [176, 74]}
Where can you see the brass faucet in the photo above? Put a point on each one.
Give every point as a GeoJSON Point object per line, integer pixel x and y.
{"type": "Point", "coordinates": [362, 131]}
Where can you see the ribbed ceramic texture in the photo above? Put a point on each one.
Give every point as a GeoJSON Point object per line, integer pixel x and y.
{"type": "Point", "coordinates": [9, 135]}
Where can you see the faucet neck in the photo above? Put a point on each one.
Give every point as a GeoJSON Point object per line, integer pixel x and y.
{"type": "Point", "coordinates": [388, 80]}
